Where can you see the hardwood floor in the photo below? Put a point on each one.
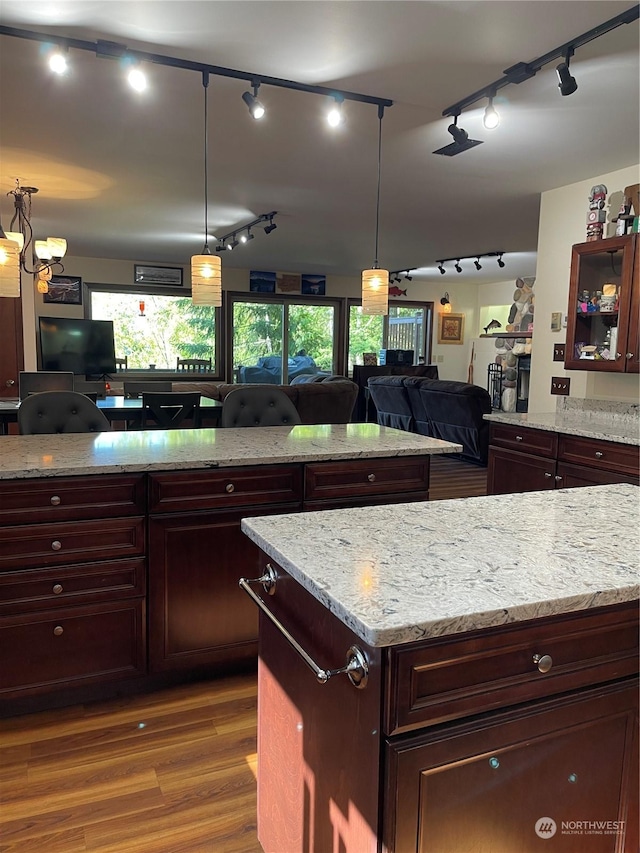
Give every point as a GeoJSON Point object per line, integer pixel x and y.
{"type": "Point", "coordinates": [451, 478]}
{"type": "Point", "coordinates": [168, 772]}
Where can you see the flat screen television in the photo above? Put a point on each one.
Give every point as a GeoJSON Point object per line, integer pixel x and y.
{"type": "Point", "coordinates": [84, 347]}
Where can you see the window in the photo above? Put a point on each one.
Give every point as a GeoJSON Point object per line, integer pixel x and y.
{"type": "Point", "coordinates": [153, 328]}
{"type": "Point", "coordinates": [407, 326]}
{"type": "Point", "coordinates": [276, 339]}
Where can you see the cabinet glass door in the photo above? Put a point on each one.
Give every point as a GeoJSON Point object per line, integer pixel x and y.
{"type": "Point", "coordinates": [599, 305]}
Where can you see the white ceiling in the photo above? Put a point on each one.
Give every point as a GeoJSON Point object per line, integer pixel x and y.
{"type": "Point", "coordinates": [121, 175]}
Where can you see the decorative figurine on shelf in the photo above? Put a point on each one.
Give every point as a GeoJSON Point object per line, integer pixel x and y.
{"type": "Point", "coordinates": [596, 216]}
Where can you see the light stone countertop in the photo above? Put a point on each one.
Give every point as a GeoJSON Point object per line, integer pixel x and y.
{"type": "Point", "coordinates": [174, 450]}
{"type": "Point", "coordinates": [625, 432]}
{"type": "Point", "coordinates": [404, 572]}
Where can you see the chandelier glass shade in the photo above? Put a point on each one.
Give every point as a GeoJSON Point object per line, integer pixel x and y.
{"type": "Point", "coordinates": [375, 291]}
{"type": "Point", "coordinates": [9, 266]}
{"type": "Point", "coordinates": [206, 280]}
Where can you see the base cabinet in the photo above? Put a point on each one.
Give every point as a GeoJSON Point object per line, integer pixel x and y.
{"type": "Point", "coordinates": [454, 744]}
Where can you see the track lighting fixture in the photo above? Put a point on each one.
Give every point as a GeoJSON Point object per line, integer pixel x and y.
{"type": "Point", "coordinates": [270, 227]}
{"type": "Point", "coordinates": [399, 275]}
{"type": "Point", "coordinates": [491, 118]}
{"type": "Point", "coordinates": [136, 77]}
{"type": "Point", "coordinates": [458, 268]}
{"type": "Point", "coordinates": [335, 116]}
{"type": "Point", "coordinates": [461, 141]}
{"type": "Point", "coordinates": [244, 233]}
{"type": "Point", "coordinates": [566, 83]}
{"type": "Point", "coordinates": [522, 71]}
{"type": "Point", "coordinates": [58, 61]}
{"type": "Point", "coordinates": [254, 106]}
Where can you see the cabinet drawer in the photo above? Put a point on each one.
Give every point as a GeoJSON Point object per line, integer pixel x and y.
{"type": "Point", "coordinates": [525, 439]}
{"type": "Point", "coordinates": [67, 498]}
{"type": "Point", "coordinates": [71, 646]}
{"type": "Point", "coordinates": [571, 476]}
{"type": "Point", "coordinates": [79, 584]}
{"type": "Point", "coordinates": [446, 679]}
{"type": "Point", "coordinates": [599, 454]}
{"type": "Point", "coordinates": [225, 488]}
{"type": "Point", "coordinates": [41, 545]}
{"type": "Point", "coordinates": [336, 480]}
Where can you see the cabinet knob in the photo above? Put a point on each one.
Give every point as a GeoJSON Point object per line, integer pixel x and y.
{"type": "Point", "coordinates": [10, 383]}
{"type": "Point", "coordinates": [55, 545]}
{"type": "Point", "coordinates": [371, 478]}
{"type": "Point", "coordinates": [55, 500]}
{"type": "Point", "coordinates": [58, 631]}
{"type": "Point", "coordinates": [599, 454]}
{"type": "Point", "coordinates": [57, 588]}
{"type": "Point", "coordinates": [558, 478]}
{"type": "Point", "coordinates": [548, 475]}
{"type": "Point", "coordinates": [629, 355]}
{"type": "Point", "coordinates": [519, 438]}
{"type": "Point", "coordinates": [229, 488]}
{"type": "Point", "coordinates": [543, 662]}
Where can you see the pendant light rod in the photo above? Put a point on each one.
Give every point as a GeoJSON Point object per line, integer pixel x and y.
{"type": "Point", "coordinates": [114, 50]}
{"type": "Point", "coordinates": [205, 86]}
{"type": "Point", "coordinates": [380, 115]}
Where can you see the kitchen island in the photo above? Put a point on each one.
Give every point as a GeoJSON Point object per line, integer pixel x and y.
{"type": "Point", "coordinates": [120, 552]}
{"type": "Point", "coordinates": [490, 700]}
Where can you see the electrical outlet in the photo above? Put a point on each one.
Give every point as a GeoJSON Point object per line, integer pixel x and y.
{"type": "Point", "coordinates": [560, 385]}
{"type": "Point", "coordinates": [440, 359]}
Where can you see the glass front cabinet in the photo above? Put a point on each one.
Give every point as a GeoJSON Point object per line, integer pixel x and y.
{"type": "Point", "coordinates": [604, 303]}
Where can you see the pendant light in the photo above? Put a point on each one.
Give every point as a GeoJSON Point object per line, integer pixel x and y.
{"type": "Point", "coordinates": [206, 273]}
{"type": "Point", "coordinates": [375, 282]}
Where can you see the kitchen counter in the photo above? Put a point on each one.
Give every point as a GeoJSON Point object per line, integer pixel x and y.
{"type": "Point", "coordinates": [157, 450]}
{"type": "Point", "coordinates": [625, 432]}
{"type": "Point", "coordinates": [395, 574]}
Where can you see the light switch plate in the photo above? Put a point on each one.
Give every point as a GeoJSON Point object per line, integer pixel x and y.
{"type": "Point", "coordinates": [560, 385]}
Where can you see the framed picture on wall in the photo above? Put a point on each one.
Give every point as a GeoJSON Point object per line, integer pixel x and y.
{"type": "Point", "coordinates": [64, 290]}
{"type": "Point", "coordinates": [451, 329]}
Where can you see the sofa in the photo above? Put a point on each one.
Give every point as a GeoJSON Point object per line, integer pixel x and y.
{"type": "Point", "coordinates": [268, 370]}
{"type": "Point", "coordinates": [452, 411]}
{"type": "Point", "coordinates": [365, 408]}
{"type": "Point", "coordinates": [328, 402]}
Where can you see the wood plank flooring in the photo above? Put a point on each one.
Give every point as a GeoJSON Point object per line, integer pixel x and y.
{"type": "Point", "coordinates": [451, 478]}
{"type": "Point", "coordinates": [168, 772]}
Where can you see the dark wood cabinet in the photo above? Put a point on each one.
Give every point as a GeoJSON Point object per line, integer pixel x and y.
{"type": "Point", "coordinates": [522, 459]}
{"type": "Point", "coordinates": [455, 743]}
{"type": "Point", "coordinates": [602, 331]}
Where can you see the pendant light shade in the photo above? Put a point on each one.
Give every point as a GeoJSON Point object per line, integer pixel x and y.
{"type": "Point", "coordinates": [375, 282]}
{"type": "Point", "coordinates": [375, 291]}
{"type": "Point", "coordinates": [206, 280]}
{"type": "Point", "coordinates": [9, 266]}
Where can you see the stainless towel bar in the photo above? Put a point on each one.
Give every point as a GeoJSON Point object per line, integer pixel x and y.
{"type": "Point", "coordinates": [356, 666]}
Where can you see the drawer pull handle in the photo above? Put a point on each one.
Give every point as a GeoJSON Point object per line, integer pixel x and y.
{"type": "Point", "coordinates": [543, 662]}
{"type": "Point", "coordinates": [519, 438]}
{"type": "Point", "coordinates": [229, 488]}
{"type": "Point", "coordinates": [55, 500]}
{"type": "Point", "coordinates": [356, 667]}
{"type": "Point", "coordinates": [371, 478]}
{"type": "Point", "coordinates": [599, 454]}
{"type": "Point", "coordinates": [55, 545]}
{"type": "Point", "coordinates": [57, 588]}
{"type": "Point", "coordinates": [58, 631]}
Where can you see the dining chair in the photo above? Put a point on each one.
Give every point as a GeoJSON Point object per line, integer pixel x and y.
{"type": "Point", "coordinates": [133, 390]}
{"type": "Point", "coordinates": [194, 365]}
{"type": "Point", "coordinates": [173, 410]}
{"type": "Point", "coordinates": [122, 363]}
{"type": "Point", "coordinates": [50, 412]}
{"type": "Point", "coordinates": [258, 405]}
{"type": "Point", "coordinates": [31, 382]}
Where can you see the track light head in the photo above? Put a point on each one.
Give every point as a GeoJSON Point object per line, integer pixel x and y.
{"type": "Point", "coordinates": [136, 78]}
{"type": "Point", "coordinates": [220, 247]}
{"type": "Point", "coordinates": [566, 83]}
{"type": "Point", "coordinates": [501, 263]}
{"type": "Point", "coordinates": [270, 227]}
{"type": "Point", "coordinates": [461, 141]}
{"type": "Point", "coordinates": [254, 106]}
{"type": "Point", "coordinates": [58, 61]}
{"type": "Point", "coordinates": [477, 263]}
{"type": "Point", "coordinates": [244, 238]}
{"type": "Point", "coordinates": [491, 118]}
{"type": "Point", "coordinates": [457, 266]}
{"type": "Point", "coordinates": [335, 115]}
{"type": "Point", "coordinates": [408, 277]}
{"type": "Point", "coordinates": [441, 269]}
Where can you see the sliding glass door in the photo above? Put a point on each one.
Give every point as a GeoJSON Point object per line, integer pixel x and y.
{"type": "Point", "coordinates": [407, 327]}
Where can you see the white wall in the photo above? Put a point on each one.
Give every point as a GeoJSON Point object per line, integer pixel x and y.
{"type": "Point", "coordinates": [563, 213]}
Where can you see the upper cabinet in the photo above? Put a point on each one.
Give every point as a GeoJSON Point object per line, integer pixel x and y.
{"type": "Point", "coordinates": [604, 301]}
